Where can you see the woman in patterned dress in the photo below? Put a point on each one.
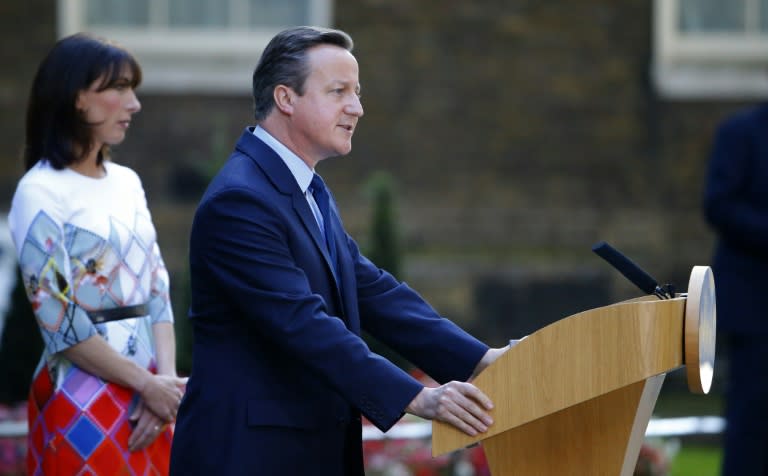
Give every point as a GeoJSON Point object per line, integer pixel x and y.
{"type": "Point", "coordinates": [106, 387]}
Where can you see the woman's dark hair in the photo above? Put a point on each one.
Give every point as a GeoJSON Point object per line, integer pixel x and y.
{"type": "Point", "coordinates": [56, 130]}
{"type": "Point", "coordinates": [284, 61]}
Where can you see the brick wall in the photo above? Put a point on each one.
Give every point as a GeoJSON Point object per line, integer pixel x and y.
{"type": "Point", "coordinates": [26, 31]}
{"type": "Point", "coordinates": [518, 133]}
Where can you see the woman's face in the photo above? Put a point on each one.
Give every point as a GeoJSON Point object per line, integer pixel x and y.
{"type": "Point", "coordinates": [109, 111]}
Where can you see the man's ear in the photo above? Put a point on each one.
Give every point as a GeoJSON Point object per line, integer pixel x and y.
{"type": "Point", "coordinates": [284, 98]}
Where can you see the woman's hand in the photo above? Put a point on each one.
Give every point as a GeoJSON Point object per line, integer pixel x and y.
{"type": "Point", "coordinates": [147, 427]}
{"type": "Point", "coordinates": [162, 395]}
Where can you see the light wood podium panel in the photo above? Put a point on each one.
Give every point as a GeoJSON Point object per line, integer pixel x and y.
{"type": "Point", "coordinates": [596, 437]}
{"type": "Point", "coordinates": [575, 397]}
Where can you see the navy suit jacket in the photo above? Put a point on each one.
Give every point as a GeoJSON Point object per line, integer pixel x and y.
{"type": "Point", "coordinates": [280, 374]}
{"type": "Point", "coordinates": [736, 206]}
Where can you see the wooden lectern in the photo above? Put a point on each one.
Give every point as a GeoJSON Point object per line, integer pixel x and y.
{"type": "Point", "coordinates": [575, 397]}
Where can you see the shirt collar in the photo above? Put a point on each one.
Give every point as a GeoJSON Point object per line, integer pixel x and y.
{"type": "Point", "coordinates": [301, 172]}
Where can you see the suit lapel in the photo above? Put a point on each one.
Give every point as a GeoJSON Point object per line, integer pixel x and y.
{"type": "Point", "coordinates": [302, 209]}
{"type": "Point", "coordinates": [282, 179]}
{"type": "Point", "coordinates": [346, 284]}
{"type": "Point", "coordinates": [346, 279]}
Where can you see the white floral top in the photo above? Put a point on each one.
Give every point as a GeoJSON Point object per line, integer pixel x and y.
{"type": "Point", "coordinates": [85, 244]}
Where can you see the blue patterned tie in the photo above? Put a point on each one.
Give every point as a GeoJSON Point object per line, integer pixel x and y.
{"type": "Point", "coordinates": [320, 193]}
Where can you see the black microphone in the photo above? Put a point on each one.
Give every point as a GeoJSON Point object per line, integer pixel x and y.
{"type": "Point", "coordinates": [629, 269]}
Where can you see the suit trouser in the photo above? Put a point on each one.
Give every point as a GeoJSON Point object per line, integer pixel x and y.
{"type": "Point", "coordinates": [353, 450]}
{"type": "Point", "coordinates": [745, 442]}
{"type": "Point", "coordinates": [278, 451]}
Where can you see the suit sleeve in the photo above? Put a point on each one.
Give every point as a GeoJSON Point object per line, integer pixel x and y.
{"type": "Point", "coordinates": [397, 315]}
{"type": "Point", "coordinates": [729, 205]}
{"type": "Point", "coordinates": [240, 241]}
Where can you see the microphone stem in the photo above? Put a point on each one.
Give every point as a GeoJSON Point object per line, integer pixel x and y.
{"type": "Point", "coordinates": [660, 293]}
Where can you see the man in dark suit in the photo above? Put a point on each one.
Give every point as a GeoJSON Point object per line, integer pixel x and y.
{"type": "Point", "coordinates": [280, 293]}
{"type": "Point", "coordinates": [736, 206]}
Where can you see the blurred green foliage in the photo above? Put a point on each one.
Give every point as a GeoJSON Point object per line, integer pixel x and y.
{"type": "Point", "coordinates": [383, 247]}
{"type": "Point", "coordinates": [697, 461]}
{"type": "Point", "coordinates": [384, 240]}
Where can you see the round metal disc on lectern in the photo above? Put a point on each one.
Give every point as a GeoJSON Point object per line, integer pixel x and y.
{"type": "Point", "coordinates": [700, 320]}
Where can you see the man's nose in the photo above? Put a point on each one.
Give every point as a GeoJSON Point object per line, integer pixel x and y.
{"type": "Point", "coordinates": [355, 107]}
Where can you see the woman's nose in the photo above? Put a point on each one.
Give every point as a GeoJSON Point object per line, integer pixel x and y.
{"type": "Point", "coordinates": [133, 103]}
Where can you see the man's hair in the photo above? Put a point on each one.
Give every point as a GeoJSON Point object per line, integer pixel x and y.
{"type": "Point", "coordinates": [55, 129]}
{"type": "Point", "coordinates": [284, 62]}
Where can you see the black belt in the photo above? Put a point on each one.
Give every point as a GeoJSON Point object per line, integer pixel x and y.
{"type": "Point", "coordinates": [118, 313]}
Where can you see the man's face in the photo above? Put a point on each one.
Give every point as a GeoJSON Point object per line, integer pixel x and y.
{"type": "Point", "coordinates": [324, 118]}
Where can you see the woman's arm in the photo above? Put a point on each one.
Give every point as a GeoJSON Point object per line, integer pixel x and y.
{"type": "Point", "coordinates": [165, 348]}
{"type": "Point", "coordinates": [161, 393]}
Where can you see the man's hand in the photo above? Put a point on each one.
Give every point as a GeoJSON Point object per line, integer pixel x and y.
{"type": "Point", "coordinates": [459, 404]}
{"type": "Point", "coordinates": [492, 355]}
{"type": "Point", "coordinates": [487, 360]}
